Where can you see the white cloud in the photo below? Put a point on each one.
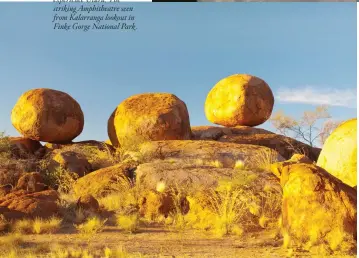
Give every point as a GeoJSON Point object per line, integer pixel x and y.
{"type": "Point", "coordinates": [312, 95]}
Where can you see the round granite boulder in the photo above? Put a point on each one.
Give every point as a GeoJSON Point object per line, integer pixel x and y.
{"type": "Point", "coordinates": [47, 115]}
{"type": "Point", "coordinates": [239, 100]}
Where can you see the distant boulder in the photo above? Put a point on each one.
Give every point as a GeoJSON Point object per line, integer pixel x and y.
{"type": "Point", "coordinates": [339, 154]}
{"type": "Point", "coordinates": [239, 99]}
{"type": "Point", "coordinates": [149, 116]}
{"type": "Point", "coordinates": [47, 115]}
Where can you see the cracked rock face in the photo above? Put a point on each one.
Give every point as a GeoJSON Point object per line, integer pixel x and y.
{"type": "Point", "coordinates": [47, 115]}
{"type": "Point", "coordinates": [239, 100]}
{"type": "Point", "coordinates": [339, 153]}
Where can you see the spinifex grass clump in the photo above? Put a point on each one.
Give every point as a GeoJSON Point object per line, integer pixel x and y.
{"type": "Point", "coordinates": [232, 207]}
{"type": "Point", "coordinates": [91, 227]}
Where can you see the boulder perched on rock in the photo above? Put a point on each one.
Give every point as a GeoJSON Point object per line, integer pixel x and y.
{"type": "Point", "coordinates": [227, 155]}
{"type": "Point", "coordinates": [104, 181]}
{"type": "Point", "coordinates": [47, 115]}
{"type": "Point", "coordinates": [339, 154]}
{"type": "Point", "coordinates": [20, 204]}
{"type": "Point", "coordinates": [239, 99]}
{"type": "Point", "coordinates": [72, 162]}
{"type": "Point", "coordinates": [22, 147]}
{"type": "Point", "coordinates": [31, 182]}
{"type": "Point", "coordinates": [318, 209]}
{"type": "Point", "coordinates": [150, 116]}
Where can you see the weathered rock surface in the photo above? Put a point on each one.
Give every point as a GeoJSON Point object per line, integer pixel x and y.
{"type": "Point", "coordinates": [5, 189]}
{"type": "Point", "coordinates": [88, 203]}
{"type": "Point", "coordinates": [72, 162]}
{"type": "Point", "coordinates": [216, 132]}
{"type": "Point", "coordinates": [317, 208]}
{"type": "Point", "coordinates": [20, 204]}
{"type": "Point", "coordinates": [339, 154]}
{"type": "Point", "coordinates": [104, 181]}
{"type": "Point", "coordinates": [10, 176]}
{"type": "Point", "coordinates": [203, 152]}
{"type": "Point", "coordinates": [279, 167]}
{"type": "Point", "coordinates": [163, 175]}
{"type": "Point", "coordinates": [285, 146]}
{"type": "Point", "coordinates": [22, 147]}
{"type": "Point", "coordinates": [150, 116]}
{"type": "Point", "coordinates": [102, 146]}
{"type": "Point", "coordinates": [239, 99]}
{"type": "Point", "coordinates": [47, 115]}
{"type": "Point", "coordinates": [32, 182]}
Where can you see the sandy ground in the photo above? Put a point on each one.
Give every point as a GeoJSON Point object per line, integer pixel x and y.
{"type": "Point", "coordinates": [160, 242]}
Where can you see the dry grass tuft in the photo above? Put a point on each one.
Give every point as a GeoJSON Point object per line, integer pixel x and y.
{"type": "Point", "coordinates": [37, 226]}
{"type": "Point", "coordinates": [91, 227]}
{"type": "Point", "coordinates": [129, 223]}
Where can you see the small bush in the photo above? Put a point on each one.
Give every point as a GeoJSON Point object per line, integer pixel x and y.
{"type": "Point", "coordinates": [128, 223]}
{"type": "Point", "coordinates": [48, 226]}
{"type": "Point", "coordinates": [37, 226]}
{"type": "Point", "coordinates": [91, 227]}
{"type": "Point", "coordinates": [60, 179]}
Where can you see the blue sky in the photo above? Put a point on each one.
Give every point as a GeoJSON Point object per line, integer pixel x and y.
{"type": "Point", "coordinates": [184, 49]}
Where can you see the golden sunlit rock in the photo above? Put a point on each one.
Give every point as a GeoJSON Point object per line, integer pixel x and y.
{"type": "Point", "coordinates": [318, 210]}
{"type": "Point", "coordinates": [47, 115]}
{"type": "Point", "coordinates": [149, 116]}
{"type": "Point", "coordinates": [339, 153]}
{"type": "Point", "coordinates": [239, 99]}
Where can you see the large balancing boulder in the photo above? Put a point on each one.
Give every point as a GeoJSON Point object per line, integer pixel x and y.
{"type": "Point", "coordinates": [339, 153]}
{"type": "Point", "coordinates": [149, 116]}
{"type": "Point", "coordinates": [239, 100]}
{"type": "Point", "coordinates": [48, 115]}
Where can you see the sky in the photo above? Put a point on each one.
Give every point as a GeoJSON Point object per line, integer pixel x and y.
{"type": "Point", "coordinates": [306, 52]}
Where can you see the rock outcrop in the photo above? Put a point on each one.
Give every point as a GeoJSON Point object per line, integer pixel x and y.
{"type": "Point", "coordinates": [239, 99]}
{"type": "Point", "coordinates": [104, 181]}
{"type": "Point", "coordinates": [72, 162]}
{"type": "Point", "coordinates": [318, 209]}
{"type": "Point", "coordinates": [150, 116]}
{"type": "Point", "coordinates": [47, 115]}
{"type": "Point", "coordinates": [22, 147]}
{"type": "Point", "coordinates": [31, 182]}
{"type": "Point", "coordinates": [339, 154]}
{"type": "Point", "coordinates": [21, 204]}
{"type": "Point", "coordinates": [223, 154]}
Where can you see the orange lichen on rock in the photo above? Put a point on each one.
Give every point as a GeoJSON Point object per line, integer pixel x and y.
{"type": "Point", "coordinates": [149, 116]}
{"type": "Point", "coordinates": [239, 99]}
{"type": "Point", "coordinates": [339, 153]}
{"type": "Point", "coordinates": [47, 115]}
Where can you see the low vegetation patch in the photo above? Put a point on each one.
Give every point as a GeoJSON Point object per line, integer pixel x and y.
{"type": "Point", "coordinates": [91, 227]}
{"type": "Point", "coordinates": [37, 226]}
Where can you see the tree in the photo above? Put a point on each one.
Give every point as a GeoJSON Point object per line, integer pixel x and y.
{"type": "Point", "coordinates": [308, 127]}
